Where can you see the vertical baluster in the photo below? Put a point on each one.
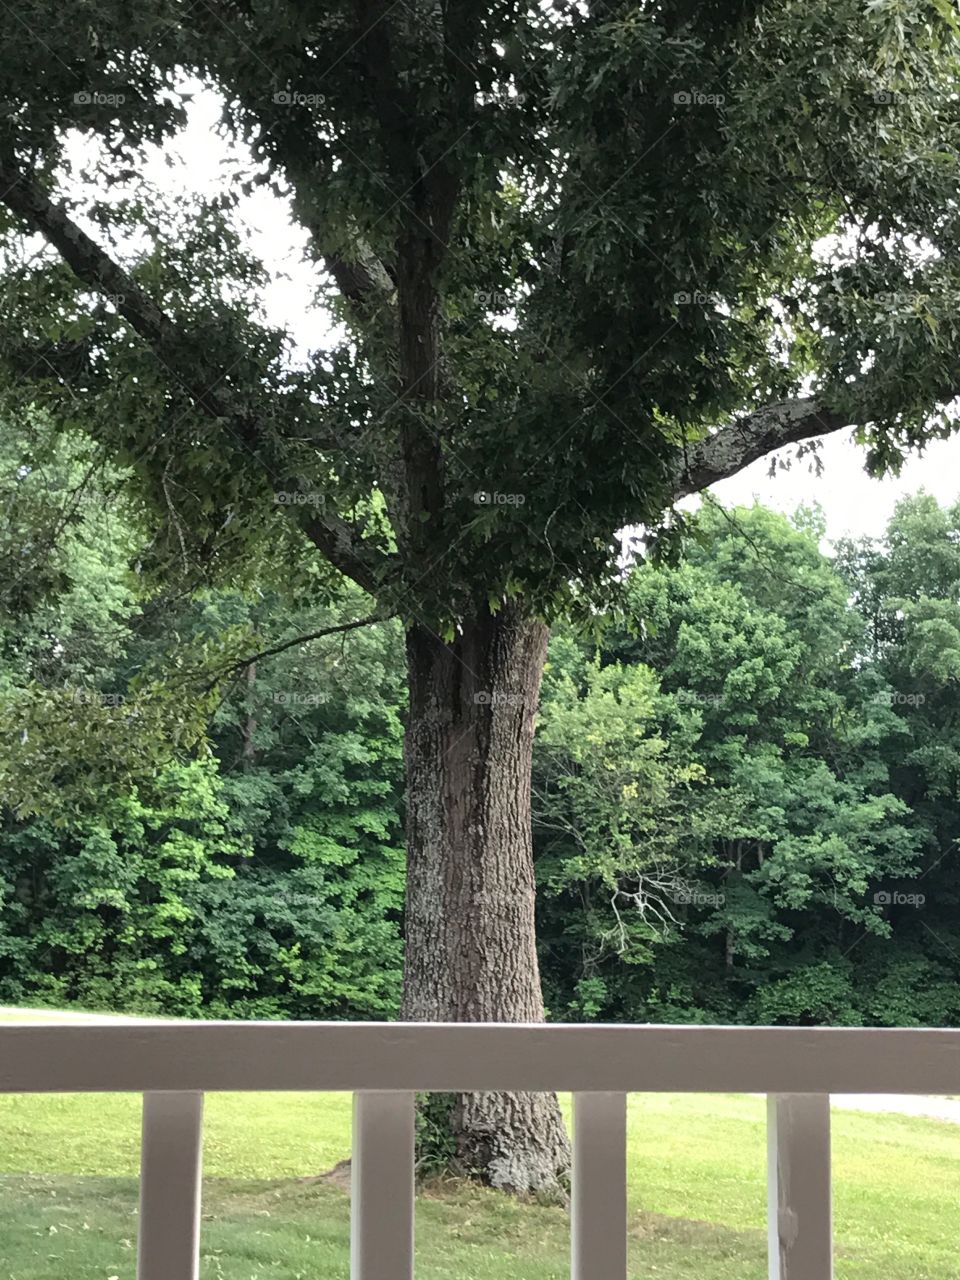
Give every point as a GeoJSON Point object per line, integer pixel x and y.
{"type": "Point", "coordinates": [168, 1239]}
{"type": "Point", "coordinates": [382, 1186]}
{"type": "Point", "coordinates": [598, 1213]}
{"type": "Point", "coordinates": [799, 1203]}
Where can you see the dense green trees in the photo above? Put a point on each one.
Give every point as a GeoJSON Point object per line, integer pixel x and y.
{"type": "Point", "coordinates": [261, 877]}
{"type": "Point", "coordinates": [761, 683]}
{"type": "Point", "coordinates": [255, 872]}
{"type": "Point", "coordinates": [745, 798]}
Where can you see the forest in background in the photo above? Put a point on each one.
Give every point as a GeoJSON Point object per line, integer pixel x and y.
{"type": "Point", "coordinates": [745, 783]}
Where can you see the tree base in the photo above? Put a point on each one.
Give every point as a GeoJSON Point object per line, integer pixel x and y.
{"type": "Point", "coordinates": [515, 1142]}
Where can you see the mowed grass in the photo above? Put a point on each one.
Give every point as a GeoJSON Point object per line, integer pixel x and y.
{"type": "Point", "coordinates": [697, 1195]}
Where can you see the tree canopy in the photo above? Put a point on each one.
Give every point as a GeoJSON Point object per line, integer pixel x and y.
{"type": "Point", "coordinates": [588, 258]}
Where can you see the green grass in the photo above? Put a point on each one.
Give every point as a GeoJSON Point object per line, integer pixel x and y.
{"type": "Point", "coordinates": [697, 1195]}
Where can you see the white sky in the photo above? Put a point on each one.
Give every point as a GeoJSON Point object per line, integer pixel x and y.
{"type": "Point", "coordinates": [852, 502]}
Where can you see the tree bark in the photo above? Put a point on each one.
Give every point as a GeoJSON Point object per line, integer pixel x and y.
{"type": "Point", "coordinates": [248, 732]}
{"type": "Point", "coordinates": [470, 937]}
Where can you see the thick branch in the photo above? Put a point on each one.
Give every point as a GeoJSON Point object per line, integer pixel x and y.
{"type": "Point", "coordinates": [182, 356]}
{"type": "Point", "coordinates": [734, 447]}
{"type": "Point", "coordinates": [364, 282]}
{"type": "Point", "coordinates": [343, 545]}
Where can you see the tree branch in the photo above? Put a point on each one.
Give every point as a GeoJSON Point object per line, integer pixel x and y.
{"type": "Point", "coordinates": [181, 354]}
{"type": "Point", "coordinates": [272, 652]}
{"type": "Point", "coordinates": [364, 282]}
{"type": "Point", "coordinates": [735, 446]}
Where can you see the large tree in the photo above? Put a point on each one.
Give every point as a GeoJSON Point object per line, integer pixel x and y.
{"type": "Point", "coordinates": [586, 258]}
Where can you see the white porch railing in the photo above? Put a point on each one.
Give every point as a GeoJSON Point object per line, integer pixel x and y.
{"type": "Point", "coordinates": [174, 1063]}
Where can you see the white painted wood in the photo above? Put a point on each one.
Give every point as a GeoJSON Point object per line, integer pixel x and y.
{"type": "Point", "coordinates": [168, 1239]}
{"type": "Point", "coordinates": [382, 1187]}
{"type": "Point", "coordinates": [799, 1199]}
{"type": "Point", "coordinates": [207, 1056]}
{"type": "Point", "coordinates": [598, 1210]}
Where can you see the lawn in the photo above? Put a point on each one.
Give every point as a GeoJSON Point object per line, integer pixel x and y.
{"type": "Point", "coordinates": [697, 1197]}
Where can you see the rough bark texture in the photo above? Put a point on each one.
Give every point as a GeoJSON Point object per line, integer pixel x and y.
{"type": "Point", "coordinates": [470, 941]}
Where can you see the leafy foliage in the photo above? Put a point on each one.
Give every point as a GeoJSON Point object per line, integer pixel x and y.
{"type": "Point", "coordinates": [745, 799]}
{"type": "Point", "coordinates": [634, 221]}
{"type": "Point", "coordinates": [796, 860]}
{"type": "Point", "coordinates": [249, 867]}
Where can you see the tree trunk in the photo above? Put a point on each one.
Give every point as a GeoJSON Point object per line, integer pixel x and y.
{"type": "Point", "coordinates": [248, 731]}
{"type": "Point", "coordinates": [470, 940]}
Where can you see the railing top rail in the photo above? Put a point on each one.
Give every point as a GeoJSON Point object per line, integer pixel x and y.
{"type": "Point", "coordinates": [447, 1057]}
